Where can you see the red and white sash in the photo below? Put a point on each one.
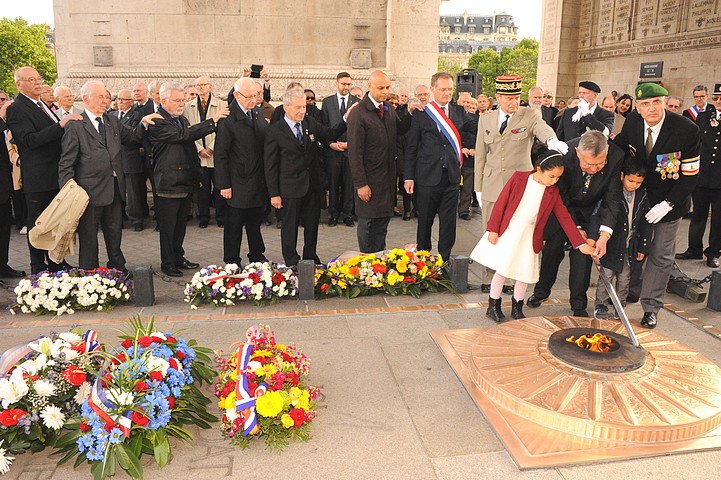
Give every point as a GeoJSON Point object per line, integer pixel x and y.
{"type": "Point", "coordinates": [447, 128]}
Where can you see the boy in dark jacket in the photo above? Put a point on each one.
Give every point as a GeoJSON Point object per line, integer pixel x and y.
{"type": "Point", "coordinates": [630, 240]}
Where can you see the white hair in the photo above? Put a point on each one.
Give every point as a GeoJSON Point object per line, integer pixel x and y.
{"type": "Point", "coordinates": [167, 88]}
{"type": "Point", "coordinates": [86, 89]}
{"type": "Point", "coordinates": [535, 87]}
{"type": "Point", "coordinates": [153, 85]}
{"type": "Point", "coordinates": [243, 81]}
{"type": "Point", "coordinates": [61, 88]}
{"type": "Point", "coordinates": [18, 73]}
{"type": "Point", "coordinates": [291, 93]}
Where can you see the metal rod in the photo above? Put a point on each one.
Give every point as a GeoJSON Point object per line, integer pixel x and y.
{"type": "Point", "coordinates": [616, 303]}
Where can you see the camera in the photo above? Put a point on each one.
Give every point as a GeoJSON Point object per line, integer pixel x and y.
{"type": "Point", "coordinates": [255, 71]}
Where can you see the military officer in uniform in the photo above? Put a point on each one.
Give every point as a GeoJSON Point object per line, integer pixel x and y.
{"type": "Point", "coordinates": [708, 191]}
{"type": "Point", "coordinates": [669, 145]}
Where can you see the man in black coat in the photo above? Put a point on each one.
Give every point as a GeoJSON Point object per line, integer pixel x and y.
{"type": "Point", "coordinates": [37, 133]}
{"type": "Point", "coordinates": [338, 173]}
{"type": "Point", "coordinates": [707, 193]}
{"type": "Point", "coordinates": [587, 115]}
{"type": "Point", "coordinates": [133, 163]}
{"type": "Point", "coordinates": [177, 173]}
{"type": "Point", "coordinates": [240, 173]}
{"type": "Point", "coordinates": [6, 189]}
{"type": "Point", "coordinates": [669, 145]}
{"type": "Point", "coordinates": [592, 172]}
{"type": "Point", "coordinates": [433, 163]}
{"type": "Point", "coordinates": [292, 172]}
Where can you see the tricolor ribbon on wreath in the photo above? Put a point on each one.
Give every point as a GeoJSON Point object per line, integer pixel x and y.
{"type": "Point", "coordinates": [244, 400]}
{"type": "Point", "coordinates": [14, 354]}
{"type": "Point", "coordinates": [447, 129]}
{"type": "Point", "coordinates": [101, 405]}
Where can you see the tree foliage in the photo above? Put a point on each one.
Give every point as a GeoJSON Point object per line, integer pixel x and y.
{"type": "Point", "coordinates": [448, 65]}
{"type": "Point", "coordinates": [520, 60]}
{"type": "Point", "coordinates": [22, 44]}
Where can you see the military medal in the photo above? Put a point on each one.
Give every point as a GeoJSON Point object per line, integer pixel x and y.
{"type": "Point", "coordinates": [668, 165]}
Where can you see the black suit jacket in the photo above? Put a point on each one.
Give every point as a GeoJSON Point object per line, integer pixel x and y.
{"type": "Point", "coordinates": [292, 168]}
{"type": "Point", "coordinates": [38, 140]}
{"type": "Point", "coordinates": [678, 135]}
{"type": "Point", "coordinates": [177, 166]}
{"type": "Point", "coordinates": [330, 113]}
{"type": "Point", "coordinates": [605, 185]}
{"type": "Point", "coordinates": [427, 149]}
{"type": "Point", "coordinates": [238, 158]}
{"type": "Point", "coordinates": [133, 161]}
{"type": "Point", "coordinates": [709, 175]}
{"type": "Point", "coordinates": [6, 169]}
{"type": "Point", "coordinates": [549, 114]}
{"type": "Point", "coordinates": [598, 120]}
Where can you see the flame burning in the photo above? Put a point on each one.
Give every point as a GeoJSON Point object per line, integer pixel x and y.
{"type": "Point", "coordinates": [597, 342]}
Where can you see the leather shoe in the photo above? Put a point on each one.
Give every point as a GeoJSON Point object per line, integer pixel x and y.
{"type": "Point", "coordinates": [508, 289]}
{"type": "Point", "coordinates": [221, 224]}
{"type": "Point", "coordinates": [8, 272]}
{"type": "Point", "coordinates": [688, 255]}
{"type": "Point", "coordinates": [464, 216]}
{"type": "Point", "coordinates": [172, 272]}
{"type": "Point", "coordinates": [648, 320]}
{"type": "Point", "coordinates": [534, 302]}
{"type": "Point", "coordinates": [485, 288]}
{"type": "Point", "coordinates": [332, 222]}
{"type": "Point", "coordinates": [580, 313]}
{"type": "Point", "coordinates": [712, 262]}
{"type": "Point", "coordinates": [138, 228]}
{"type": "Point", "coordinates": [407, 217]}
{"type": "Point", "coordinates": [631, 299]}
{"type": "Point", "coordinates": [186, 264]}
{"type": "Point", "coordinates": [348, 222]}
{"type": "Point", "coordinates": [203, 224]}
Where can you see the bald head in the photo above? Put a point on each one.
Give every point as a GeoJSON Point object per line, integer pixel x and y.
{"type": "Point", "coordinates": [379, 86]}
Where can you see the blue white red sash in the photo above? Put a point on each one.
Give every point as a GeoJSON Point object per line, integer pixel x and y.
{"type": "Point", "coordinates": [244, 400]}
{"type": "Point", "coordinates": [102, 406]}
{"type": "Point", "coordinates": [447, 128]}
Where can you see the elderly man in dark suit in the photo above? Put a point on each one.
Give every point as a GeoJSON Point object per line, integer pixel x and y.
{"type": "Point", "coordinates": [372, 135]}
{"type": "Point", "coordinates": [177, 173]}
{"type": "Point", "coordinates": [37, 133]}
{"type": "Point", "coordinates": [669, 145]}
{"type": "Point", "coordinates": [240, 173]}
{"type": "Point", "coordinates": [292, 172]}
{"type": "Point", "coordinates": [92, 156]}
{"type": "Point", "coordinates": [6, 190]}
{"type": "Point", "coordinates": [434, 154]}
{"type": "Point", "coordinates": [592, 172]}
{"type": "Point", "coordinates": [587, 115]}
{"type": "Point", "coordinates": [338, 173]}
{"type": "Point", "coordinates": [133, 163]}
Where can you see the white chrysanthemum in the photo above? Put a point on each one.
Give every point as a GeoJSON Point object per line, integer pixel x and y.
{"type": "Point", "coordinates": [82, 393]}
{"type": "Point", "coordinates": [231, 414]}
{"type": "Point", "coordinates": [159, 335]}
{"type": "Point", "coordinates": [13, 389]}
{"type": "Point", "coordinates": [254, 365]}
{"type": "Point", "coordinates": [5, 460]}
{"type": "Point", "coordinates": [120, 397]}
{"type": "Point", "coordinates": [71, 338]}
{"type": "Point", "coordinates": [70, 354]}
{"type": "Point", "coordinates": [53, 417]}
{"type": "Point", "coordinates": [44, 388]}
{"type": "Point", "coordinates": [158, 364]}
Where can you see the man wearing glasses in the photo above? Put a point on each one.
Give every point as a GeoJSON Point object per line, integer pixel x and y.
{"type": "Point", "coordinates": [37, 132]}
{"type": "Point", "coordinates": [592, 173]}
{"type": "Point", "coordinates": [700, 98]}
{"type": "Point", "coordinates": [669, 145]}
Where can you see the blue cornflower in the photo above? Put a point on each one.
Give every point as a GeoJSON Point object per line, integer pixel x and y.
{"type": "Point", "coordinates": [96, 454]}
{"type": "Point", "coordinates": [115, 436]}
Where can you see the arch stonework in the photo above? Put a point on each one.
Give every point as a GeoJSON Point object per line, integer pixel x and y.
{"type": "Point", "coordinates": [607, 40]}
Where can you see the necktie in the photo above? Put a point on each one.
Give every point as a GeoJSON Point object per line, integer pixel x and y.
{"type": "Point", "coordinates": [298, 133]}
{"type": "Point", "coordinates": [203, 104]}
{"type": "Point", "coordinates": [122, 114]}
{"type": "Point", "coordinates": [380, 110]}
{"type": "Point", "coordinates": [586, 182]}
{"type": "Point", "coordinates": [649, 142]}
{"type": "Point", "coordinates": [445, 111]}
{"type": "Point", "coordinates": [45, 111]}
{"type": "Point", "coordinates": [177, 121]}
{"type": "Point", "coordinates": [342, 106]}
{"type": "Point", "coordinates": [249, 114]}
{"type": "Point", "coordinates": [66, 114]}
{"type": "Point", "coordinates": [504, 125]}
{"type": "Point", "coordinates": [101, 128]}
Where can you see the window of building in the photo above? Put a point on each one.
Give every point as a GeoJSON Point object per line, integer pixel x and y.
{"type": "Point", "coordinates": [471, 30]}
{"type": "Point", "coordinates": [501, 29]}
{"type": "Point", "coordinates": [458, 30]}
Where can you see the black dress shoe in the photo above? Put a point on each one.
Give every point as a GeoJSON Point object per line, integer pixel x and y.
{"type": "Point", "coordinates": [485, 288]}
{"type": "Point", "coordinates": [688, 255]}
{"type": "Point", "coordinates": [407, 217]}
{"type": "Point", "coordinates": [631, 299]}
{"type": "Point", "coordinates": [8, 272]}
{"type": "Point", "coordinates": [186, 264]}
{"type": "Point", "coordinates": [581, 313]}
{"type": "Point", "coordinates": [203, 224]}
{"type": "Point", "coordinates": [648, 320]}
{"type": "Point", "coordinates": [138, 228]}
{"type": "Point", "coordinates": [221, 224]}
{"type": "Point", "coordinates": [279, 225]}
{"type": "Point", "coordinates": [172, 272]}
{"type": "Point", "coordinates": [348, 222]}
{"type": "Point", "coordinates": [396, 213]}
{"type": "Point", "coordinates": [712, 262]}
{"type": "Point", "coordinates": [534, 302]}
{"type": "Point", "coordinates": [465, 216]}
{"type": "Point", "coordinates": [332, 222]}
{"type": "Point", "coordinates": [508, 289]}
{"type": "Point", "coordinates": [157, 228]}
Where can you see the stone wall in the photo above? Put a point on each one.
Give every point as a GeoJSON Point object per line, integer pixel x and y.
{"type": "Point", "coordinates": [607, 40]}
{"type": "Point", "coordinates": [309, 41]}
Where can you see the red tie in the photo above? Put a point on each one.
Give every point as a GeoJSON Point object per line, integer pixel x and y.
{"type": "Point", "coordinates": [380, 110]}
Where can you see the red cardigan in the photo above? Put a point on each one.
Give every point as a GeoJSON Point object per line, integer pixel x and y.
{"type": "Point", "coordinates": [509, 199]}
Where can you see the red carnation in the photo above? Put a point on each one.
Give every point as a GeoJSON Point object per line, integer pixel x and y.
{"type": "Point", "coordinates": [74, 375]}
{"type": "Point", "coordinates": [174, 364]}
{"type": "Point", "coordinates": [84, 427]}
{"type": "Point", "coordinates": [180, 355]}
{"type": "Point", "coordinates": [324, 287]}
{"type": "Point", "coordinates": [109, 426]}
{"type": "Point", "coordinates": [145, 342]}
{"type": "Point", "coordinates": [139, 418]}
{"type": "Point", "coordinates": [252, 386]}
{"type": "Point", "coordinates": [255, 277]}
{"type": "Point", "coordinates": [118, 359]}
{"type": "Point", "coordinates": [298, 416]}
{"type": "Point", "coordinates": [292, 378]}
{"type": "Point", "coordinates": [287, 357]}
{"type": "Point", "coordinates": [127, 343]}
{"type": "Point", "coordinates": [171, 402]}
{"type": "Point", "coordinates": [156, 375]}
{"type": "Point", "coordinates": [379, 268]}
{"type": "Point", "coordinates": [157, 339]}
{"type": "Point", "coordinates": [170, 339]}
{"type": "Point", "coordinates": [106, 380]}
{"type": "Point", "coordinates": [278, 278]}
{"type": "Point", "coordinates": [11, 416]}
{"type": "Point", "coordinates": [420, 264]}
{"type": "Point", "coordinates": [140, 386]}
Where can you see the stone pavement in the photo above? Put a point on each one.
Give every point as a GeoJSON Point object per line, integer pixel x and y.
{"type": "Point", "coordinates": [391, 407]}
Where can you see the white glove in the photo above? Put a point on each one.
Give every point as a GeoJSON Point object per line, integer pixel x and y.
{"type": "Point", "coordinates": [557, 145]}
{"type": "Point", "coordinates": [583, 110]}
{"type": "Point", "coordinates": [658, 211]}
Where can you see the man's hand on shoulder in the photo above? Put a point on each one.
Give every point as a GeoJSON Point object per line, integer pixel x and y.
{"type": "Point", "coordinates": [70, 118]}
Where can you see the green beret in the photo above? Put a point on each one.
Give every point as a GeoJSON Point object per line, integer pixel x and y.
{"type": "Point", "coordinates": [650, 90]}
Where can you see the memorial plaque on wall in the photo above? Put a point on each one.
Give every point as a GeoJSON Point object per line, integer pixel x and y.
{"type": "Point", "coordinates": [651, 70]}
{"type": "Point", "coordinates": [703, 14]}
{"type": "Point", "coordinates": [585, 24]}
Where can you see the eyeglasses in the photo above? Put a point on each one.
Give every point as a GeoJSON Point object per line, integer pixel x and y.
{"type": "Point", "coordinates": [125, 99]}
{"type": "Point", "coordinates": [310, 98]}
{"type": "Point", "coordinates": [202, 84]}
{"type": "Point", "coordinates": [33, 79]}
{"type": "Point", "coordinates": [700, 96]}
{"type": "Point", "coordinates": [594, 165]}
{"type": "Point", "coordinates": [548, 96]}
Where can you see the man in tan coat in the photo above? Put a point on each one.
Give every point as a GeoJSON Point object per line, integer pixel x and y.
{"type": "Point", "coordinates": [204, 106]}
{"type": "Point", "coordinates": [504, 141]}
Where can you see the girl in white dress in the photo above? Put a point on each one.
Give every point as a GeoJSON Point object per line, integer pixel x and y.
{"type": "Point", "coordinates": [514, 236]}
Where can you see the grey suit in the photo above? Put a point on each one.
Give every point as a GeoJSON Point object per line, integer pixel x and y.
{"type": "Point", "coordinates": [96, 165]}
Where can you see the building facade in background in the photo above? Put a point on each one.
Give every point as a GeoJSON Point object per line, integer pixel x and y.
{"type": "Point", "coordinates": [460, 36]}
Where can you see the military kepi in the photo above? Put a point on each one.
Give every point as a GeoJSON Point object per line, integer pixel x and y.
{"type": "Point", "coordinates": [590, 86]}
{"type": "Point", "coordinates": [650, 90]}
{"type": "Point", "coordinates": [508, 85]}
{"type": "Point", "coordinates": [716, 89]}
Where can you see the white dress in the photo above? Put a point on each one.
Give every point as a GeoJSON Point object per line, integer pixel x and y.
{"type": "Point", "coordinates": [513, 256]}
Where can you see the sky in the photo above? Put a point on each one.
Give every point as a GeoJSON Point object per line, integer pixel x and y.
{"type": "Point", "coordinates": [526, 13]}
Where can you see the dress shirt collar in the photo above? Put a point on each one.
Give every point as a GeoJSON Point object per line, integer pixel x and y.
{"type": "Point", "coordinates": [339, 96]}
{"type": "Point", "coordinates": [502, 116]}
{"type": "Point", "coordinates": [375, 104]}
{"type": "Point", "coordinates": [291, 124]}
{"type": "Point", "coordinates": [592, 109]}
{"type": "Point", "coordinates": [654, 130]}
{"type": "Point", "coordinates": [93, 118]}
